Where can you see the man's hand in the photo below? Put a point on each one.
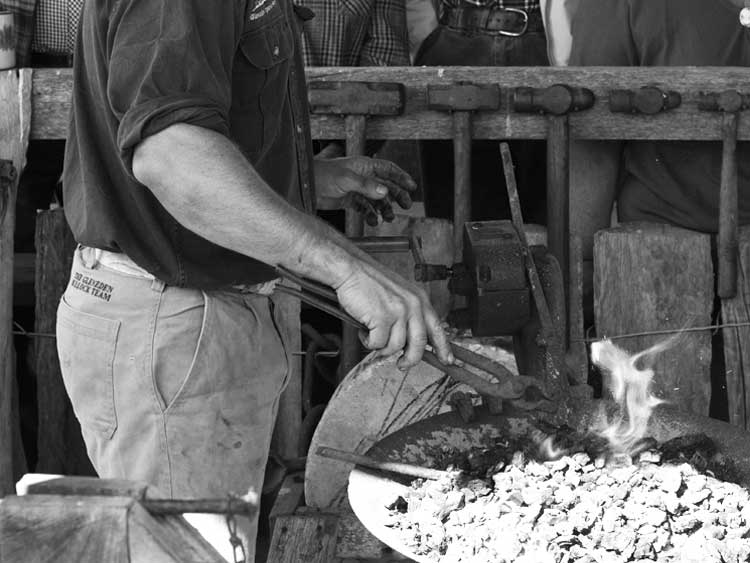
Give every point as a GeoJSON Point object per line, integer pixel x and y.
{"type": "Point", "coordinates": [369, 185]}
{"type": "Point", "coordinates": [398, 314]}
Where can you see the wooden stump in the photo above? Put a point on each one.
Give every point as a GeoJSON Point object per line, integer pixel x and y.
{"type": "Point", "coordinates": [737, 339]}
{"type": "Point", "coordinates": [59, 441]}
{"type": "Point", "coordinates": [15, 98]}
{"type": "Point", "coordinates": [650, 277]}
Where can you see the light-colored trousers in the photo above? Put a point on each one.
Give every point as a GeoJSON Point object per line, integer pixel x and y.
{"type": "Point", "coordinates": [175, 387]}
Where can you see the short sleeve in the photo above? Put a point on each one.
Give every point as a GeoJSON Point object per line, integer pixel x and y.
{"type": "Point", "coordinates": [170, 61]}
{"type": "Point", "coordinates": [602, 34]}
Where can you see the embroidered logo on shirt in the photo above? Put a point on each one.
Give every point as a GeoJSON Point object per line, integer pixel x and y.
{"type": "Point", "coordinates": [91, 286]}
{"type": "Point", "coordinates": [260, 9]}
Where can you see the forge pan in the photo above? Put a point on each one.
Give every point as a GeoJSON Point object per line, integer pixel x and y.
{"type": "Point", "coordinates": [370, 492]}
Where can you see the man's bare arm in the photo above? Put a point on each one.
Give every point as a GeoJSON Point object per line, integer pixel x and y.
{"type": "Point", "coordinates": [205, 182]}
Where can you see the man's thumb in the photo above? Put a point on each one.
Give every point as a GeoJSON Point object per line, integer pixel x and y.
{"type": "Point", "coordinates": [371, 189]}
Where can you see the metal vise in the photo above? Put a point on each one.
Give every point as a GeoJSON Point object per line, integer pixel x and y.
{"type": "Point", "coordinates": [492, 277]}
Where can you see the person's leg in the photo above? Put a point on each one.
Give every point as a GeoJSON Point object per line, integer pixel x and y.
{"type": "Point", "coordinates": [174, 387]}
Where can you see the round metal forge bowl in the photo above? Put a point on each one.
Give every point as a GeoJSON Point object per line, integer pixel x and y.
{"type": "Point", "coordinates": [370, 492]}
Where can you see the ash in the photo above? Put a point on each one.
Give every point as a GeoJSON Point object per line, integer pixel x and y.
{"type": "Point", "coordinates": [505, 506]}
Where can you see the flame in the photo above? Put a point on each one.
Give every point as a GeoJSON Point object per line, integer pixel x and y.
{"type": "Point", "coordinates": [631, 390]}
{"type": "Point", "coordinates": [547, 449]}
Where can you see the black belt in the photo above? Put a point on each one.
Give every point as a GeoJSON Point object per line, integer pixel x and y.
{"type": "Point", "coordinates": [510, 22]}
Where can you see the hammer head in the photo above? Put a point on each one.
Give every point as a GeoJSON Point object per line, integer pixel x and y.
{"type": "Point", "coordinates": [463, 96]}
{"type": "Point", "coordinates": [356, 98]}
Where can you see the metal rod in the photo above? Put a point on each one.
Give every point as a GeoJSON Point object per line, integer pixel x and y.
{"type": "Point", "coordinates": [462, 179]}
{"type": "Point", "coordinates": [209, 506]}
{"type": "Point", "coordinates": [728, 226]}
{"type": "Point", "coordinates": [390, 466]}
{"type": "Point", "coordinates": [324, 306]}
{"type": "Point", "coordinates": [515, 209]}
{"type": "Point", "coordinates": [375, 245]}
{"type": "Point", "coordinates": [479, 384]}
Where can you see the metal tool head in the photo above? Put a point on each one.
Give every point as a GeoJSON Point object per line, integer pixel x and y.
{"type": "Point", "coordinates": [356, 98]}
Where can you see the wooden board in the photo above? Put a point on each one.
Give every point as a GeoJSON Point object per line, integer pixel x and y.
{"type": "Point", "coordinates": [373, 400]}
{"type": "Point", "coordinates": [52, 98]}
{"type": "Point", "coordinates": [737, 339]}
{"type": "Point", "coordinates": [650, 277]}
{"type": "Point", "coordinates": [59, 441]}
{"type": "Point", "coordinates": [14, 135]}
{"type": "Point", "coordinates": [308, 538]}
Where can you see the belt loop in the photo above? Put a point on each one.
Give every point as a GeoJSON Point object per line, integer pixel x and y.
{"type": "Point", "coordinates": [157, 285]}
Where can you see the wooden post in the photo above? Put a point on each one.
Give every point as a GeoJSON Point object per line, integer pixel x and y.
{"type": "Point", "coordinates": [59, 441]}
{"type": "Point", "coordinates": [650, 277]}
{"type": "Point", "coordinates": [558, 193]}
{"type": "Point", "coordinates": [15, 99]}
{"type": "Point", "coordinates": [728, 213]}
{"type": "Point", "coordinates": [737, 339]}
{"type": "Point", "coordinates": [461, 180]}
{"type": "Point", "coordinates": [289, 419]}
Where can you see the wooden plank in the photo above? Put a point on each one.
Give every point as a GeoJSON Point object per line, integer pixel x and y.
{"type": "Point", "coordinates": [59, 442]}
{"type": "Point", "coordinates": [50, 528]}
{"type": "Point", "coordinates": [93, 486]}
{"type": "Point", "coordinates": [24, 268]}
{"type": "Point", "coordinates": [308, 538]}
{"type": "Point", "coordinates": [737, 340]}
{"type": "Point", "coordinates": [52, 98]}
{"type": "Point", "coordinates": [15, 99]}
{"type": "Point", "coordinates": [356, 542]}
{"type": "Point", "coordinates": [289, 419]}
{"type": "Point", "coordinates": [651, 277]}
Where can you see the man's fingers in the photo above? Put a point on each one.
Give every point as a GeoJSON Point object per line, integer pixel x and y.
{"type": "Point", "coordinates": [416, 341]}
{"type": "Point", "coordinates": [385, 208]}
{"type": "Point", "coordinates": [387, 170]}
{"type": "Point", "coordinates": [397, 338]}
{"type": "Point", "coordinates": [438, 338]}
{"type": "Point", "coordinates": [398, 194]}
{"type": "Point", "coordinates": [370, 188]}
{"type": "Point", "coordinates": [377, 338]}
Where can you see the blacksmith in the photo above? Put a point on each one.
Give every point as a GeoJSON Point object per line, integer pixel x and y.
{"type": "Point", "coordinates": [188, 177]}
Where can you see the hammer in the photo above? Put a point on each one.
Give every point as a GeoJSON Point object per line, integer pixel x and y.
{"type": "Point", "coordinates": [730, 103]}
{"type": "Point", "coordinates": [355, 101]}
{"type": "Point", "coordinates": [462, 98]}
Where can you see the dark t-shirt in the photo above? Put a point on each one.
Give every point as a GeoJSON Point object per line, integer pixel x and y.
{"type": "Point", "coordinates": [672, 182]}
{"type": "Point", "coordinates": [232, 66]}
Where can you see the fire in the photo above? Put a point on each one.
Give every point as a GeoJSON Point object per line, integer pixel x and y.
{"type": "Point", "coordinates": [631, 389]}
{"type": "Point", "coordinates": [546, 444]}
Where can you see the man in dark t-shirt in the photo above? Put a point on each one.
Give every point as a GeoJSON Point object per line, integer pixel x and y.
{"type": "Point", "coordinates": [188, 178]}
{"type": "Point", "coordinates": [666, 182]}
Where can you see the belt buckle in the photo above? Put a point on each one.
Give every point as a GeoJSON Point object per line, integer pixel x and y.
{"type": "Point", "coordinates": [525, 15]}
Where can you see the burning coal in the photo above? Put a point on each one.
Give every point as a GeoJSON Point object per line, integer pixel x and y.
{"type": "Point", "coordinates": [630, 386]}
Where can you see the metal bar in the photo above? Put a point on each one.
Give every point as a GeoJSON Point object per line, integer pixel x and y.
{"type": "Point", "coordinates": [492, 367]}
{"type": "Point", "coordinates": [728, 225]}
{"type": "Point", "coordinates": [325, 306]}
{"type": "Point", "coordinates": [377, 245]}
{"type": "Point", "coordinates": [462, 179]}
{"type": "Point", "coordinates": [209, 506]}
{"type": "Point", "coordinates": [390, 466]}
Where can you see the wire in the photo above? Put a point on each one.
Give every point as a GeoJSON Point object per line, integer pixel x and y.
{"type": "Point", "coordinates": [665, 332]}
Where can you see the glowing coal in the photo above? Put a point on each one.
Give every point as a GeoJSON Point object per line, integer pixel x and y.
{"type": "Point", "coordinates": [630, 386]}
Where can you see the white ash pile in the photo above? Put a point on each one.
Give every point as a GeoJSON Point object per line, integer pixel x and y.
{"type": "Point", "coordinates": [578, 509]}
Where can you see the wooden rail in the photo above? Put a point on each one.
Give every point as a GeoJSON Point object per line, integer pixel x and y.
{"type": "Point", "coordinates": [49, 100]}
{"type": "Point", "coordinates": [51, 93]}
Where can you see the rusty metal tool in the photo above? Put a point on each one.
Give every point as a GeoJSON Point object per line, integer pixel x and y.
{"type": "Point", "coordinates": [356, 101]}
{"type": "Point", "coordinates": [550, 338]}
{"type": "Point", "coordinates": [462, 99]}
{"type": "Point", "coordinates": [730, 103]}
{"type": "Point", "coordinates": [557, 101]}
{"type": "Point", "coordinates": [648, 100]}
{"type": "Point", "coordinates": [389, 466]}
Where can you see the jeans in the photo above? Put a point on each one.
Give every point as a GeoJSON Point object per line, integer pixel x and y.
{"type": "Point", "coordinates": [175, 387]}
{"type": "Point", "coordinates": [448, 47]}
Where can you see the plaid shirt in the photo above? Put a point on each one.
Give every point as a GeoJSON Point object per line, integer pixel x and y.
{"type": "Point", "coordinates": [56, 26]}
{"type": "Point", "coordinates": [523, 4]}
{"type": "Point", "coordinates": [23, 19]}
{"type": "Point", "coordinates": [355, 33]}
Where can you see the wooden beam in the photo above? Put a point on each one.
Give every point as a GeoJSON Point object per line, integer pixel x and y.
{"type": "Point", "coordinates": [15, 99]}
{"type": "Point", "coordinates": [651, 277]}
{"type": "Point", "coordinates": [52, 89]}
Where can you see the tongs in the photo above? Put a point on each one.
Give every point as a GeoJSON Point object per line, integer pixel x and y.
{"type": "Point", "coordinates": [508, 386]}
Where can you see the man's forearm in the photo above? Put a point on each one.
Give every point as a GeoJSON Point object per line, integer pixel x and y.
{"type": "Point", "coordinates": [203, 180]}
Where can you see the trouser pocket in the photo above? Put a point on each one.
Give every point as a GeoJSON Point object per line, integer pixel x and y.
{"type": "Point", "coordinates": [86, 346]}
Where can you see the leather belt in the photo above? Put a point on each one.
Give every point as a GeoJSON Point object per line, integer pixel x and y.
{"type": "Point", "coordinates": [493, 20]}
